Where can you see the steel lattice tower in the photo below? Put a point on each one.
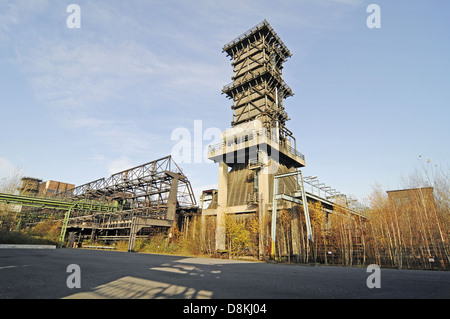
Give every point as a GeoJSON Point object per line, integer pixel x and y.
{"type": "Point", "coordinates": [258, 146]}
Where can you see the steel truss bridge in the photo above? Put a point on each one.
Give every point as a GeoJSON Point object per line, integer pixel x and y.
{"type": "Point", "coordinates": [142, 197]}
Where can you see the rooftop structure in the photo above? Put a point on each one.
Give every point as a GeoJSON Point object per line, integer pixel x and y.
{"type": "Point", "coordinates": [30, 186]}
{"type": "Point", "coordinates": [54, 187]}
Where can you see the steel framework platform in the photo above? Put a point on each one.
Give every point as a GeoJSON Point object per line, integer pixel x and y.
{"type": "Point", "coordinates": [146, 196]}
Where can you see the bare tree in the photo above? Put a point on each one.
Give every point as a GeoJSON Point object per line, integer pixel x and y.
{"type": "Point", "coordinates": [10, 185]}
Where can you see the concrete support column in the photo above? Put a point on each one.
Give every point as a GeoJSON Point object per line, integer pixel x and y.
{"type": "Point", "coordinates": [221, 206]}
{"type": "Point", "coordinates": [264, 182]}
{"type": "Point", "coordinates": [295, 232]}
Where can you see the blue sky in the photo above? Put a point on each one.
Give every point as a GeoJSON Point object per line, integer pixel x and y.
{"type": "Point", "coordinates": [80, 104]}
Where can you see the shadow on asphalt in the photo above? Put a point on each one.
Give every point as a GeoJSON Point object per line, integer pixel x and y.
{"type": "Point", "coordinates": [43, 274]}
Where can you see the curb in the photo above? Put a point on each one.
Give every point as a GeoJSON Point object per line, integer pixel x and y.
{"type": "Point", "coordinates": [18, 246]}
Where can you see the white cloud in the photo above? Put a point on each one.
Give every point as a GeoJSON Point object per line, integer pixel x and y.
{"type": "Point", "coordinates": [91, 79]}
{"type": "Point", "coordinates": [350, 2]}
{"type": "Point", "coordinates": [14, 12]}
{"type": "Point", "coordinates": [83, 88]}
{"type": "Point", "coordinates": [119, 164]}
{"type": "Point", "coordinates": [97, 158]}
{"type": "Point", "coordinates": [6, 167]}
{"type": "Point", "coordinates": [123, 140]}
{"type": "Point", "coordinates": [86, 122]}
{"type": "Point", "coordinates": [101, 86]}
{"type": "Point", "coordinates": [77, 77]}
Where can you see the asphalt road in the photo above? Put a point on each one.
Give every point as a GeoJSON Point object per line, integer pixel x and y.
{"type": "Point", "coordinates": [42, 274]}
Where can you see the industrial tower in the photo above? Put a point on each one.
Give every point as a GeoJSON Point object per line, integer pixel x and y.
{"type": "Point", "coordinates": [258, 145]}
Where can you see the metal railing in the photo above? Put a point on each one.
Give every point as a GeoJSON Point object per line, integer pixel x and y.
{"type": "Point", "coordinates": [261, 136]}
{"type": "Point", "coordinates": [245, 34]}
{"type": "Point", "coordinates": [315, 187]}
{"type": "Point", "coordinates": [254, 29]}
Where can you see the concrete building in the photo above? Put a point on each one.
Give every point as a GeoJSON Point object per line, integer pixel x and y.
{"type": "Point", "coordinates": [404, 197]}
{"type": "Point", "coordinates": [54, 187]}
{"type": "Point", "coordinates": [34, 186]}
{"type": "Point", "coordinates": [30, 186]}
